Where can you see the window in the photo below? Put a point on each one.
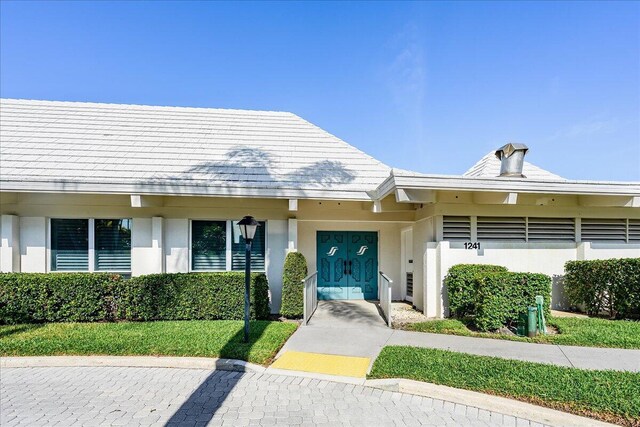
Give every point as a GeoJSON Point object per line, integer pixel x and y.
{"type": "Point", "coordinates": [69, 245]}
{"type": "Point", "coordinates": [91, 245]}
{"type": "Point", "coordinates": [219, 246]}
{"type": "Point", "coordinates": [457, 228]}
{"type": "Point", "coordinates": [208, 245]}
{"type": "Point", "coordinates": [113, 244]}
{"type": "Point", "coordinates": [257, 249]}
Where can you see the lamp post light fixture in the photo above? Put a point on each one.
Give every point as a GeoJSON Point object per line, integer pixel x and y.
{"type": "Point", "coordinates": [248, 226]}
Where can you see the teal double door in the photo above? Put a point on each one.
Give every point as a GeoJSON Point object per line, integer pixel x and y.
{"type": "Point", "coordinates": [347, 265]}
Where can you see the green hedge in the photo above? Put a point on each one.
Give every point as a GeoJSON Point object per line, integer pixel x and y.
{"type": "Point", "coordinates": [611, 286]}
{"type": "Point", "coordinates": [461, 286]}
{"type": "Point", "coordinates": [60, 297]}
{"type": "Point", "coordinates": [295, 270]}
{"type": "Point", "coordinates": [193, 296]}
{"type": "Point", "coordinates": [502, 297]}
{"type": "Point", "coordinates": [91, 297]}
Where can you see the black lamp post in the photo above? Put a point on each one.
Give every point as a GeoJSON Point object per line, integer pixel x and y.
{"type": "Point", "coordinates": [248, 226]}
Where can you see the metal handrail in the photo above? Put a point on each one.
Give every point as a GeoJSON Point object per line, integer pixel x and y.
{"type": "Point", "coordinates": [310, 296]}
{"type": "Point", "coordinates": [384, 296]}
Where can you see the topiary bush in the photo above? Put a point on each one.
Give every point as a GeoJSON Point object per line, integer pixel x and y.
{"type": "Point", "coordinates": [57, 297]}
{"type": "Point", "coordinates": [92, 297]}
{"type": "Point", "coordinates": [461, 286]}
{"type": "Point", "coordinates": [193, 296]}
{"type": "Point", "coordinates": [502, 297]}
{"type": "Point", "coordinates": [295, 270]}
{"type": "Point", "coordinates": [610, 286]}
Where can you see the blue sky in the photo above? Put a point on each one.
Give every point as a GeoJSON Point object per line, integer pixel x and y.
{"type": "Point", "coordinates": [430, 87]}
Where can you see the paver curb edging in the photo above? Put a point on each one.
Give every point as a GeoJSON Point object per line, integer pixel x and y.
{"type": "Point", "coordinates": [467, 398]}
{"type": "Point", "coordinates": [487, 402]}
{"type": "Point", "coordinates": [131, 362]}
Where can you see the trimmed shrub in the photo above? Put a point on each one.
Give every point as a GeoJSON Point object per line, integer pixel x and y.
{"type": "Point", "coordinates": [295, 270]}
{"type": "Point", "coordinates": [609, 286]}
{"type": "Point", "coordinates": [503, 297]}
{"type": "Point", "coordinates": [462, 286]}
{"type": "Point", "coordinates": [57, 297]}
{"type": "Point", "coordinates": [91, 297]}
{"type": "Point", "coordinates": [193, 296]}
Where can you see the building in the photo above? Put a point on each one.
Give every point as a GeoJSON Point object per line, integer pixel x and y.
{"type": "Point", "coordinates": [140, 190]}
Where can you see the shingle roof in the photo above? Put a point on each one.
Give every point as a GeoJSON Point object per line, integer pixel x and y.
{"type": "Point", "coordinates": [489, 167]}
{"type": "Point", "coordinates": [123, 148]}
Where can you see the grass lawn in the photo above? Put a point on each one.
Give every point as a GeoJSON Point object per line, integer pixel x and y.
{"type": "Point", "coordinates": [607, 395]}
{"type": "Point", "coordinates": [204, 338]}
{"type": "Point", "coordinates": [571, 331]}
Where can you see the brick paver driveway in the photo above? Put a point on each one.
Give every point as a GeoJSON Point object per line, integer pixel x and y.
{"type": "Point", "coordinates": [162, 396]}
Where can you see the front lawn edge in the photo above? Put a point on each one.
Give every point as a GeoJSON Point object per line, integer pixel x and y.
{"type": "Point", "coordinates": [487, 402]}
{"type": "Point", "coordinates": [131, 362]}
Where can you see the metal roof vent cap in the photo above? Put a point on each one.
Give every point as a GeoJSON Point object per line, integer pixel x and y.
{"type": "Point", "coordinates": [512, 159]}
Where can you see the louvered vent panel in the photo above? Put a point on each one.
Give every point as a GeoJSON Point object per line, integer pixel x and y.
{"type": "Point", "coordinates": [510, 229]}
{"type": "Point", "coordinates": [604, 230]}
{"type": "Point", "coordinates": [634, 231]}
{"type": "Point", "coordinates": [457, 228]}
{"type": "Point", "coordinates": [552, 229]}
{"type": "Point", "coordinates": [409, 284]}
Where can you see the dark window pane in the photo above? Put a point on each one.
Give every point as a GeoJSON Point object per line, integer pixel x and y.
{"type": "Point", "coordinates": [69, 244]}
{"type": "Point", "coordinates": [113, 244]}
{"type": "Point", "coordinates": [258, 249]}
{"type": "Point", "coordinates": [209, 245]}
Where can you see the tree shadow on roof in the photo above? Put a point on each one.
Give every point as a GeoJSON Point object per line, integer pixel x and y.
{"type": "Point", "coordinates": [246, 165]}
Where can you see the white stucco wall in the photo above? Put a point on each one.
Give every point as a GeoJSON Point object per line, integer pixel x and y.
{"type": "Point", "coordinates": [9, 243]}
{"type": "Point", "coordinates": [33, 245]}
{"type": "Point", "coordinates": [545, 258]}
{"type": "Point", "coordinates": [277, 245]}
{"type": "Point", "coordinates": [147, 245]}
{"type": "Point", "coordinates": [176, 244]}
{"type": "Point", "coordinates": [423, 232]}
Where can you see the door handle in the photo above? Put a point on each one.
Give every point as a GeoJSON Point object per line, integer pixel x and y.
{"type": "Point", "coordinates": [345, 266]}
{"type": "Point", "coordinates": [349, 266]}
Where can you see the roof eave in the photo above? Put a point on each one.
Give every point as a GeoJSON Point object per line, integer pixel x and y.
{"type": "Point", "coordinates": [162, 189]}
{"type": "Point", "coordinates": [456, 183]}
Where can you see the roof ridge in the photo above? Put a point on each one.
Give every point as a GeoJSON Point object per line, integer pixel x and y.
{"type": "Point", "coordinates": [480, 169]}
{"type": "Point", "coordinates": [140, 106]}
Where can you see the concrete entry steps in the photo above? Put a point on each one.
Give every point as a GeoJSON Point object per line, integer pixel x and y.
{"type": "Point", "coordinates": [346, 328]}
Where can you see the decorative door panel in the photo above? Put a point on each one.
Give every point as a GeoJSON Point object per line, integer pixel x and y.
{"type": "Point", "coordinates": [347, 265]}
{"type": "Point", "coordinates": [362, 265]}
{"type": "Point", "coordinates": [332, 265]}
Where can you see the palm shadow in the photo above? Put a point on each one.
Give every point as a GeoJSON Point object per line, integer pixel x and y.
{"type": "Point", "coordinates": [201, 406]}
{"type": "Point", "coordinates": [246, 165]}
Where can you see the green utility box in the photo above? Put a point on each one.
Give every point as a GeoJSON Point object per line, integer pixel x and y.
{"type": "Point", "coordinates": [521, 328]}
{"type": "Point", "coordinates": [532, 321]}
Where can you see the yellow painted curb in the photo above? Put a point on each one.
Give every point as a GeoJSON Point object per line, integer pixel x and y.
{"type": "Point", "coordinates": [323, 363]}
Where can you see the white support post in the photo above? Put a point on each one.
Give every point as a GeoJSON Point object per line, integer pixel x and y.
{"type": "Point", "coordinates": [292, 245]}
{"type": "Point", "coordinates": [10, 244]}
{"type": "Point", "coordinates": [157, 243]}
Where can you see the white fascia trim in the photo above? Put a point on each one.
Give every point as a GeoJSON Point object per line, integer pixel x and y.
{"type": "Point", "coordinates": [510, 185]}
{"type": "Point", "coordinates": [178, 190]}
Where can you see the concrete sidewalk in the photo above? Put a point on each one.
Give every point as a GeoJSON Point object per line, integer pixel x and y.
{"type": "Point", "coordinates": [355, 328]}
